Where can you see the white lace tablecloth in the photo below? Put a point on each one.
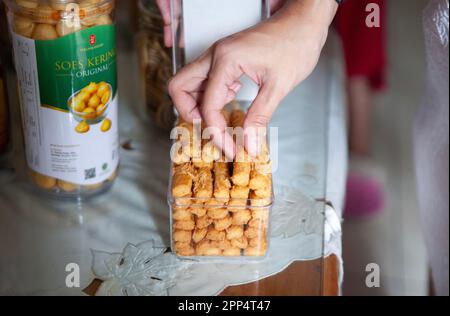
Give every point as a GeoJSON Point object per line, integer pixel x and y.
{"type": "Point", "coordinates": [120, 237]}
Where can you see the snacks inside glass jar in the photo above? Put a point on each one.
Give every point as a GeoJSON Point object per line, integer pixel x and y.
{"type": "Point", "coordinates": [155, 63]}
{"type": "Point", "coordinates": [65, 57]}
{"type": "Point", "coordinates": [218, 208]}
{"type": "Point", "coordinates": [4, 116]}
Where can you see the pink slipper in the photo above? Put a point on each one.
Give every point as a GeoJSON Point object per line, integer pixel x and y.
{"type": "Point", "coordinates": [365, 194]}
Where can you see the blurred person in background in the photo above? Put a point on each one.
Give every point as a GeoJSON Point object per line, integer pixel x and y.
{"type": "Point", "coordinates": [364, 50]}
{"type": "Point", "coordinates": [297, 33]}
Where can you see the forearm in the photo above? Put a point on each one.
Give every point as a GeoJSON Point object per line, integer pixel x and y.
{"type": "Point", "coordinates": [314, 16]}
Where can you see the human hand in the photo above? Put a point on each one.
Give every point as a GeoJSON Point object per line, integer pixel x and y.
{"type": "Point", "coordinates": [277, 55]}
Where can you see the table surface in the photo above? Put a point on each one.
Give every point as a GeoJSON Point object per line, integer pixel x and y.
{"type": "Point", "coordinates": [300, 277]}
{"type": "Point", "coordinates": [48, 234]}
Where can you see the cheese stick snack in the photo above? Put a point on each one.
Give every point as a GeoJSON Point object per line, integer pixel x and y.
{"type": "Point", "coordinates": [236, 205]}
{"type": "Point", "coordinates": [230, 201]}
{"type": "Point", "coordinates": [183, 146]}
{"type": "Point", "coordinates": [235, 231]}
{"type": "Point", "coordinates": [241, 243]}
{"type": "Point", "coordinates": [257, 202]}
{"type": "Point", "coordinates": [255, 251]}
{"type": "Point", "coordinates": [259, 181]}
{"type": "Point", "coordinates": [238, 192]}
{"type": "Point", "coordinates": [222, 182]}
{"type": "Point", "coordinates": [215, 203]}
{"type": "Point", "coordinates": [184, 249]}
{"type": "Point", "coordinates": [265, 192]}
{"type": "Point", "coordinates": [261, 184]}
{"type": "Point", "coordinates": [188, 224]}
{"type": "Point", "coordinates": [201, 164]}
{"type": "Point", "coordinates": [199, 234]}
{"type": "Point", "coordinates": [222, 244]}
{"type": "Point", "coordinates": [181, 214]}
{"type": "Point", "coordinates": [215, 235]}
{"type": "Point", "coordinates": [182, 181]}
{"type": "Point", "coordinates": [198, 211]}
{"type": "Point", "coordinates": [203, 184]}
{"type": "Point", "coordinates": [210, 152]}
{"type": "Point", "coordinates": [223, 224]}
{"type": "Point", "coordinates": [205, 248]}
{"type": "Point", "coordinates": [237, 118]}
{"type": "Point", "coordinates": [264, 168]}
{"type": "Point", "coordinates": [206, 156]}
{"type": "Point", "coordinates": [182, 236]}
{"type": "Point", "coordinates": [241, 217]}
{"type": "Point", "coordinates": [242, 164]}
{"type": "Point", "coordinates": [264, 155]}
{"type": "Point", "coordinates": [241, 173]}
{"type": "Point", "coordinates": [231, 252]}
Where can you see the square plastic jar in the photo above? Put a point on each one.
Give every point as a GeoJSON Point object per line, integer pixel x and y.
{"type": "Point", "coordinates": [218, 229]}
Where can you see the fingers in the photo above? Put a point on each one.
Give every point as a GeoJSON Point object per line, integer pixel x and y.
{"type": "Point", "coordinates": [259, 115]}
{"type": "Point", "coordinates": [223, 84]}
{"type": "Point", "coordinates": [164, 7]}
{"type": "Point", "coordinates": [275, 5]}
{"type": "Point", "coordinates": [187, 88]}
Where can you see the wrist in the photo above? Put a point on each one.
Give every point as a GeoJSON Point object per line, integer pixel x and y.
{"type": "Point", "coordinates": [315, 16]}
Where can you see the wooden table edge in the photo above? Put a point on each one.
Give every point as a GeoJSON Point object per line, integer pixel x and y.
{"type": "Point", "coordinates": [306, 278]}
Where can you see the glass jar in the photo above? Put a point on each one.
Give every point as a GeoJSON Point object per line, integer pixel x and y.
{"type": "Point", "coordinates": [65, 58]}
{"type": "Point", "coordinates": [155, 64]}
{"type": "Point", "coordinates": [4, 36]}
{"type": "Point", "coordinates": [4, 121]}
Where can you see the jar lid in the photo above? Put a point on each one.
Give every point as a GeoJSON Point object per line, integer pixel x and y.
{"type": "Point", "coordinates": [52, 11]}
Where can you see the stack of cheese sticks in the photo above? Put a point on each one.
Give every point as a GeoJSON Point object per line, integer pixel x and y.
{"type": "Point", "coordinates": [219, 208]}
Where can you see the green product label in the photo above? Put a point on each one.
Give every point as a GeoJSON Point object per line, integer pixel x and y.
{"type": "Point", "coordinates": [71, 63]}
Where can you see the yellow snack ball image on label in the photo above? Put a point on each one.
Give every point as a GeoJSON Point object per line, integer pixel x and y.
{"type": "Point", "coordinates": [94, 102]}
{"type": "Point", "coordinates": [82, 128]}
{"type": "Point", "coordinates": [83, 96]}
{"type": "Point", "coordinates": [89, 113]}
{"type": "Point", "coordinates": [78, 105]}
{"type": "Point", "coordinates": [102, 89]}
{"type": "Point", "coordinates": [101, 109]}
{"type": "Point", "coordinates": [105, 97]}
{"type": "Point", "coordinates": [91, 88]}
{"type": "Point", "coordinates": [106, 126]}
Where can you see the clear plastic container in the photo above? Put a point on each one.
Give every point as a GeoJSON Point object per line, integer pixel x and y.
{"type": "Point", "coordinates": [212, 228]}
{"type": "Point", "coordinates": [65, 58]}
{"type": "Point", "coordinates": [155, 63]}
{"type": "Point", "coordinates": [219, 209]}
